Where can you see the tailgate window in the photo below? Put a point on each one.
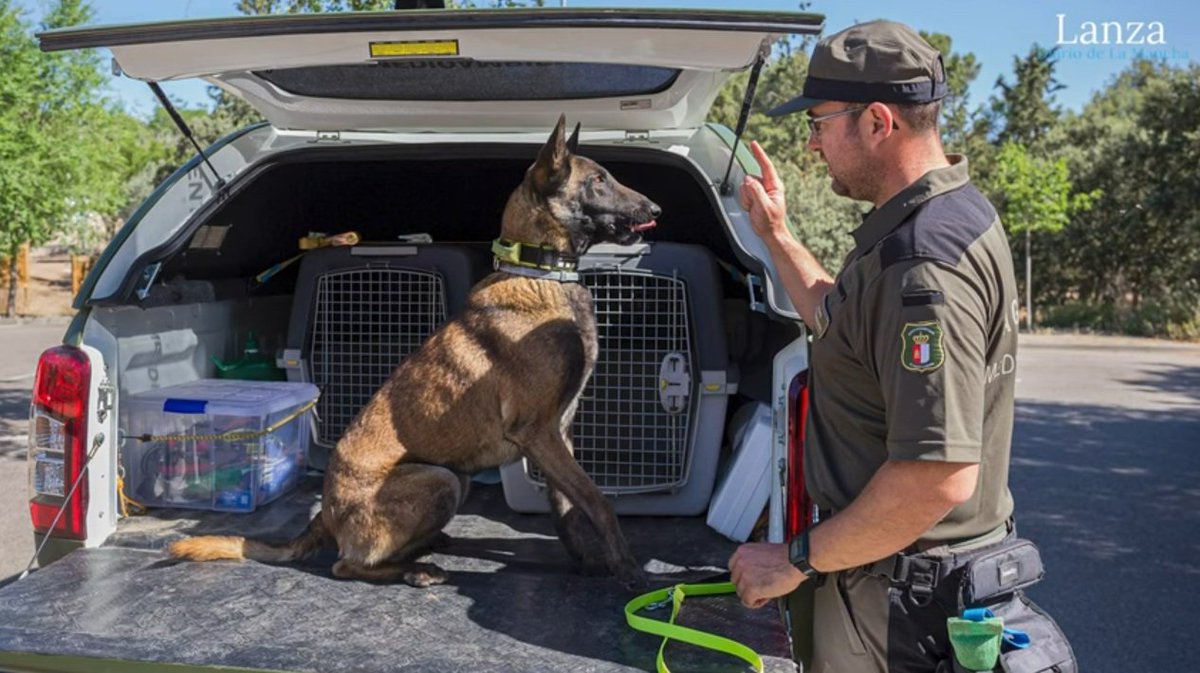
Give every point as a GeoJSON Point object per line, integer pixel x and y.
{"type": "Point", "coordinates": [467, 80]}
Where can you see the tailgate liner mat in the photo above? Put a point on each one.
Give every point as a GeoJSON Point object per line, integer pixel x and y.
{"type": "Point", "coordinates": [512, 602]}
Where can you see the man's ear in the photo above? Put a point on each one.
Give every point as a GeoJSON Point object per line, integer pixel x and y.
{"type": "Point", "coordinates": [552, 158]}
{"type": "Point", "coordinates": [883, 120]}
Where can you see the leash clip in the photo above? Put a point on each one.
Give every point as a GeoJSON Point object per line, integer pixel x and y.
{"type": "Point", "coordinates": [668, 600]}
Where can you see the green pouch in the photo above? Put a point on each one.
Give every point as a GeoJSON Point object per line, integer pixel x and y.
{"type": "Point", "coordinates": [976, 644]}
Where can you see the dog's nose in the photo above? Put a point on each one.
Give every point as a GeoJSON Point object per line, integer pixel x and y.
{"type": "Point", "coordinates": [655, 211]}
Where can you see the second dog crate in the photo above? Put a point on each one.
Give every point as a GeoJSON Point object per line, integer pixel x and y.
{"type": "Point", "coordinates": [649, 423]}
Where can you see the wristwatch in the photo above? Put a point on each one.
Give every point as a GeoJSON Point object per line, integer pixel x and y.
{"type": "Point", "coordinates": [798, 555]}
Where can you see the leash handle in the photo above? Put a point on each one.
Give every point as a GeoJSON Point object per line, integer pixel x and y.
{"type": "Point", "coordinates": [669, 630]}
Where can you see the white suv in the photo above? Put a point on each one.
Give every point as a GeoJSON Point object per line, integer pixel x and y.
{"type": "Point", "coordinates": [411, 129]}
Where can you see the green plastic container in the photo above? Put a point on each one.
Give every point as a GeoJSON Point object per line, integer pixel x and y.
{"type": "Point", "coordinates": [254, 366]}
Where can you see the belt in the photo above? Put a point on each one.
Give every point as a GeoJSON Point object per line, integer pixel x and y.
{"type": "Point", "coordinates": [920, 570]}
{"type": "Point", "coordinates": [938, 547]}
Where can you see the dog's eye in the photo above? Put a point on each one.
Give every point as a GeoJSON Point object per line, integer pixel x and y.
{"type": "Point", "coordinates": [599, 179]}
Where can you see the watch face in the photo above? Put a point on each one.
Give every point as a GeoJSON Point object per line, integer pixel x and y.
{"type": "Point", "coordinates": [798, 548]}
{"type": "Point", "coordinates": [798, 554]}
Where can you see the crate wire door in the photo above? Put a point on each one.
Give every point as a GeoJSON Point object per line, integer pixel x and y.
{"type": "Point", "coordinates": [366, 321]}
{"type": "Point", "coordinates": [625, 438]}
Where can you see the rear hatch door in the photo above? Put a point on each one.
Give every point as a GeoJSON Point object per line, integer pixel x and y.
{"type": "Point", "coordinates": [631, 69]}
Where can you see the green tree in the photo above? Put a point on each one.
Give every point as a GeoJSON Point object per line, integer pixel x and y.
{"type": "Point", "coordinates": [1022, 115]}
{"type": "Point", "coordinates": [1133, 262]}
{"type": "Point", "coordinates": [957, 118]}
{"type": "Point", "coordinates": [1027, 106]}
{"type": "Point", "coordinates": [1032, 195]}
{"type": "Point", "coordinates": [50, 115]}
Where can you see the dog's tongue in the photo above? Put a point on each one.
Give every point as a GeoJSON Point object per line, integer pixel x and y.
{"type": "Point", "coordinates": [644, 226]}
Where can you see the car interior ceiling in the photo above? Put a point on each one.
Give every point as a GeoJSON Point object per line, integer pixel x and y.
{"type": "Point", "coordinates": [458, 200]}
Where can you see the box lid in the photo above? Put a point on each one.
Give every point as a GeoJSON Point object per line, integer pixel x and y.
{"type": "Point", "coordinates": [227, 397]}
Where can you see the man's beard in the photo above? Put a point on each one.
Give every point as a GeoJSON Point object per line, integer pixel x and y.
{"type": "Point", "coordinates": [859, 179]}
{"type": "Point", "coordinates": [858, 182]}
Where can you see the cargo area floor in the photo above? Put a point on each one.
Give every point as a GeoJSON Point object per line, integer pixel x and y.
{"type": "Point", "coordinates": [512, 602]}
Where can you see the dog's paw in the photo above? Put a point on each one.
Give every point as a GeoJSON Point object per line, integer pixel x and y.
{"type": "Point", "coordinates": [425, 575]}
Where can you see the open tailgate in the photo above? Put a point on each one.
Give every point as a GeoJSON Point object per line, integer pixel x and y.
{"type": "Point", "coordinates": [456, 69]}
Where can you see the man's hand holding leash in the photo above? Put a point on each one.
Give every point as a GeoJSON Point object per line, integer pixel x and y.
{"type": "Point", "coordinates": [761, 571]}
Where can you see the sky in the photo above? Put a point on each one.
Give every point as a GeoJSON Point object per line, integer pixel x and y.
{"type": "Point", "coordinates": [995, 31]}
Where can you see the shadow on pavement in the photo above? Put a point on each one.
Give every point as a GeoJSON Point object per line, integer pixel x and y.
{"type": "Point", "coordinates": [1112, 497]}
{"type": "Point", "coordinates": [1173, 379]}
{"type": "Point", "coordinates": [14, 421]}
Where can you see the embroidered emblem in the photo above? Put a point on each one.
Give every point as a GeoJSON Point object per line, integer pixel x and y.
{"type": "Point", "coordinates": [922, 350]}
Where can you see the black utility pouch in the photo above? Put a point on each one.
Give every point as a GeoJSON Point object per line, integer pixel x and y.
{"type": "Point", "coordinates": [1049, 650]}
{"type": "Point", "coordinates": [1003, 570]}
{"type": "Point", "coordinates": [928, 588]}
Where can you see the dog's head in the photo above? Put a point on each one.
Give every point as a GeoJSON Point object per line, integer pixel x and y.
{"type": "Point", "coordinates": [581, 199]}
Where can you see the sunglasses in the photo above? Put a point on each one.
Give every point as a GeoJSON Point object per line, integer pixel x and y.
{"type": "Point", "coordinates": [814, 128]}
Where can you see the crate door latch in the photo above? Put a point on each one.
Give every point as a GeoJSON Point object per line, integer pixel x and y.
{"type": "Point", "coordinates": [674, 383]}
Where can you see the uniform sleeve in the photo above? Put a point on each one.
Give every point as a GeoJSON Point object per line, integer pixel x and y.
{"type": "Point", "coordinates": [928, 333]}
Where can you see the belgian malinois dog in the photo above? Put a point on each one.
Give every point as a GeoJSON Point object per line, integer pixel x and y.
{"type": "Point", "coordinates": [498, 383]}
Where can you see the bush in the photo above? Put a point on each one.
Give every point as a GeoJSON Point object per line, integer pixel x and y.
{"type": "Point", "coordinates": [1169, 319]}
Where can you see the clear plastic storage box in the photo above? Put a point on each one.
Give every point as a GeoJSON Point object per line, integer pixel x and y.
{"type": "Point", "coordinates": [178, 452]}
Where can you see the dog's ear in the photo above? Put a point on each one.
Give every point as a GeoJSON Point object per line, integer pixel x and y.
{"type": "Point", "coordinates": [573, 141]}
{"type": "Point", "coordinates": [553, 159]}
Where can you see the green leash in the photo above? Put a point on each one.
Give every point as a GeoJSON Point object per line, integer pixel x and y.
{"type": "Point", "coordinates": [670, 631]}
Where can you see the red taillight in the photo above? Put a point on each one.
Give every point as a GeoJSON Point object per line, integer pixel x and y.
{"type": "Point", "coordinates": [799, 513]}
{"type": "Point", "coordinates": [57, 448]}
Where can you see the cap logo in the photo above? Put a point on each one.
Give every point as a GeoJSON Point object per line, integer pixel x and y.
{"type": "Point", "coordinates": [921, 349]}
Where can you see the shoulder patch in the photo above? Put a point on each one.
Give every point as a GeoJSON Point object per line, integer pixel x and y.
{"type": "Point", "coordinates": [921, 349]}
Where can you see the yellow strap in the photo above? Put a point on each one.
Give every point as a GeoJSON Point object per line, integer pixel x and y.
{"type": "Point", "coordinates": [310, 242]}
{"type": "Point", "coordinates": [126, 503]}
{"type": "Point", "coordinates": [316, 240]}
{"type": "Point", "coordinates": [230, 436]}
{"type": "Point", "coordinates": [670, 631]}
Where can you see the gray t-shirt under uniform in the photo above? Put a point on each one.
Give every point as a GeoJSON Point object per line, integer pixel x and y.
{"type": "Point", "coordinates": [914, 351]}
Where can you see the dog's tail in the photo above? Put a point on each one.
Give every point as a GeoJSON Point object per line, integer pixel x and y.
{"type": "Point", "coordinates": [217, 547]}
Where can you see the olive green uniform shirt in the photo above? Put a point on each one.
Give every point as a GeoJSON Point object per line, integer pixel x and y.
{"type": "Point", "coordinates": [914, 351]}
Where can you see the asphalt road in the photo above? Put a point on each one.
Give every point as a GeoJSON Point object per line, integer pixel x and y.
{"type": "Point", "coordinates": [1105, 473]}
{"type": "Point", "coordinates": [20, 346]}
{"type": "Point", "coordinates": [1106, 478]}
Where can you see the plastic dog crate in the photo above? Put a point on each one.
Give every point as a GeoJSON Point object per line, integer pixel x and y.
{"type": "Point", "coordinates": [649, 423]}
{"type": "Point", "coordinates": [360, 311]}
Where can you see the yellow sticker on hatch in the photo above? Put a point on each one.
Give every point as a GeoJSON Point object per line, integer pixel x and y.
{"type": "Point", "coordinates": [414, 48]}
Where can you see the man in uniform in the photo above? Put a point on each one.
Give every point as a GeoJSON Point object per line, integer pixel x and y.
{"type": "Point", "coordinates": [913, 354]}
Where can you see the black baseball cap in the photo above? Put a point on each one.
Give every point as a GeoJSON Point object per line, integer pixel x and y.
{"type": "Point", "coordinates": [880, 61]}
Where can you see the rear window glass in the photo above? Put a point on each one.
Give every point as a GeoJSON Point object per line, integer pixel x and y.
{"type": "Point", "coordinates": [465, 80]}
